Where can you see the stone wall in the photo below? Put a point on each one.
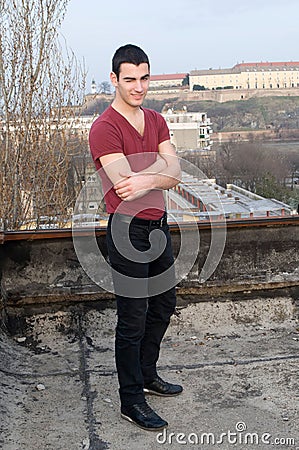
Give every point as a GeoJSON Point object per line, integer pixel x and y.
{"type": "Point", "coordinates": [224, 95]}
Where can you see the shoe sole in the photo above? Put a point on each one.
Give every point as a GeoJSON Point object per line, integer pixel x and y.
{"type": "Point", "coordinates": [140, 426]}
{"type": "Point", "coordinates": [149, 391]}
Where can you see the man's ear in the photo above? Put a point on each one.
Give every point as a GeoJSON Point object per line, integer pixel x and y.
{"type": "Point", "coordinates": [113, 79]}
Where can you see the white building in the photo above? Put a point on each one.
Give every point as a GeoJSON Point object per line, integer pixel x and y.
{"type": "Point", "coordinates": [189, 130]}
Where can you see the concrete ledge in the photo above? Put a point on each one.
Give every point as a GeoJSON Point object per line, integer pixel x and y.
{"type": "Point", "coordinates": [257, 256]}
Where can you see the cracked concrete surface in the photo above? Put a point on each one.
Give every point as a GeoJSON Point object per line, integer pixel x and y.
{"type": "Point", "coordinates": [237, 360]}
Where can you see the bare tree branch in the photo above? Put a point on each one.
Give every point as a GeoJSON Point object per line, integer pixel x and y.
{"type": "Point", "coordinates": [40, 83]}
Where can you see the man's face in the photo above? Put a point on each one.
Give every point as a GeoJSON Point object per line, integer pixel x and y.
{"type": "Point", "coordinates": [132, 84]}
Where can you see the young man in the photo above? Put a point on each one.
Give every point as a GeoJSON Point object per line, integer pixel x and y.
{"type": "Point", "coordinates": [131, 149]}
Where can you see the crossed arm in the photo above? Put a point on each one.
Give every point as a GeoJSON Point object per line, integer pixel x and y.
{"type": "Point", "coordinates": [164, 173]}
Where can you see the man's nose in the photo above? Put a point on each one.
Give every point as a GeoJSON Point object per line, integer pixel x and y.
{"type": "Point", "coordinates": [138, 86]}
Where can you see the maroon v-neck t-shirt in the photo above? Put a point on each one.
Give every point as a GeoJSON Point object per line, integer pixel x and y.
{"type": "Point", "coordinates": [112, 133]}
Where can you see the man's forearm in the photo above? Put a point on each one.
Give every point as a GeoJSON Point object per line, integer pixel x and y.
{"type": "Point", "coordinates": [138, 184]}
{"type": "Point", "coordinates": [167, 178]}
{"type": "Point", "coordinates": [164, 173]}
{"type": "Point", "coordinates": [117, 167]}
{"type": "Point", "coordinates": [158, 166]}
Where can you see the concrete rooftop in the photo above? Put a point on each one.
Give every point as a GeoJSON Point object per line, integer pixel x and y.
{"type": "Point", "coordinates": [237, 358]}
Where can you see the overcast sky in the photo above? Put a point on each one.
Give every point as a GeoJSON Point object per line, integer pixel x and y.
{"type": "Point", "coordinates": [182, 35]}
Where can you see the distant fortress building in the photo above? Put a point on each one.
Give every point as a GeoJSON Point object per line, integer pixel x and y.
{"type": "Point", "coordinates": [257, 75]}
{"type": "Point", "coordinates": [262, 75]}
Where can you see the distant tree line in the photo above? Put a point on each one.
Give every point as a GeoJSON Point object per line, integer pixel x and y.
{"type": "Point", "coordinates": [200, 87]}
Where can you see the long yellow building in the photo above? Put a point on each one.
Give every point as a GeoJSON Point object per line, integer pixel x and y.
{"type": "Point", "coordinates": [262, 75]}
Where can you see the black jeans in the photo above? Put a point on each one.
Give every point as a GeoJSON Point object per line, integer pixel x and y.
{"type": "Point", "coordinates": [144, 314]}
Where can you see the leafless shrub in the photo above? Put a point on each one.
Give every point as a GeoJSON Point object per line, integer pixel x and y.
{"type": "Point", "coordinates": [40, 82]}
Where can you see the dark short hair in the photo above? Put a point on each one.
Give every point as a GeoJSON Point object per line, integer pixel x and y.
{"type": "Point", "coordinates": [128, 54]}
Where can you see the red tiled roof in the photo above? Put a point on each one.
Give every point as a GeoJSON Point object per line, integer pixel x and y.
{"type": "Point", "coordinates": [268, 64]}
{"type": "Point", "coordinates": [169, 76]}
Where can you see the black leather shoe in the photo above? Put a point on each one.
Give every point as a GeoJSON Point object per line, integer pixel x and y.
{"type": "Point", "coordinates": [162, 388]}
{"type": "Point", "coordinates": [143, 416]}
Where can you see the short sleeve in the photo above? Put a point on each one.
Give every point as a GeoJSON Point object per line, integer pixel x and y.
{"type": "Point", "coordinates": [163, 130]}
{"type": "Point", "coordinates": [104, 139]}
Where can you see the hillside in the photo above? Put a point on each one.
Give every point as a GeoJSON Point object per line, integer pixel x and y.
{"type": "Point", "coordinates": [252, 114]}
{"type": "Point", "coordinates": [255, 113]}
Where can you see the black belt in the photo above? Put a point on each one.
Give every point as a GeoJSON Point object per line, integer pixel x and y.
{"type": "Point", "coordinates": [138, 221]}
